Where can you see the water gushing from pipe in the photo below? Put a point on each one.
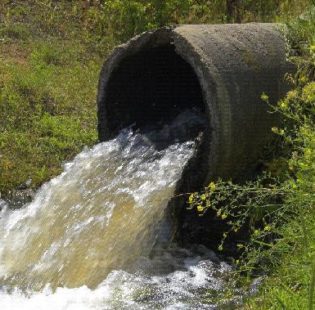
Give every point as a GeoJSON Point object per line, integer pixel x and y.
{"type": "Point", "coordinates": [86, 239]}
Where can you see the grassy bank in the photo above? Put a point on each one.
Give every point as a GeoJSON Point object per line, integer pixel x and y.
{"type": "Point", "coordinates": [47, 104]}
{"type": "Point", "coordinates": [47, 98]}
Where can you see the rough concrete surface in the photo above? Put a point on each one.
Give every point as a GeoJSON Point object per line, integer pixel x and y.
{"type": "Point", "coordinates": [220, 69]}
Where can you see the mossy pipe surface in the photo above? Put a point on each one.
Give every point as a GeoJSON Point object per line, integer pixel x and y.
{"type": "Point", "coordinates": [220, 69]}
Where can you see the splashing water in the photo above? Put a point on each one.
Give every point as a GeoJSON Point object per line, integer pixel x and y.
{"type": "Point", "coordinates": [175, 279]}
{"type": "Point", "coordinates": [85, 240]}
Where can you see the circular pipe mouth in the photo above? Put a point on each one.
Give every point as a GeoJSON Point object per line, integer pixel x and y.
{"type": "Point", "coordinates": [151, 88]}
{"type": "Point", "coordinates": [147, 85]}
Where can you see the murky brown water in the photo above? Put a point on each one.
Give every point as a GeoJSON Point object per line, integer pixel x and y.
{"type": "Point", "coordinates": [84, 242]}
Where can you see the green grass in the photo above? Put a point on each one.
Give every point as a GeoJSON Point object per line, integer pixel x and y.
{"type": "Point", "coordinates": [292, 281]}
{"type": "Point", "coordinates": [291, 284]}
{"type": "Point", "coordinates": [47, 103]}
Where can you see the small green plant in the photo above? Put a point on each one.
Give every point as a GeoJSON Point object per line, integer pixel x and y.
{"type": "Point", "coordinates": [251, 204]}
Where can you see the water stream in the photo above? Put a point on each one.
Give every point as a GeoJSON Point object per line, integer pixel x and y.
{"type": "Point", "coordinates": [99, 236]}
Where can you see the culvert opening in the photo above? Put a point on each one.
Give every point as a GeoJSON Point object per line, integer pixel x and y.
{"type": "Point", "coordinates": [151, 88]}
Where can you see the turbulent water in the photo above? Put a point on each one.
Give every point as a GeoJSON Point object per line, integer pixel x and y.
{"type": "Point", "coordinates": [98, 236]}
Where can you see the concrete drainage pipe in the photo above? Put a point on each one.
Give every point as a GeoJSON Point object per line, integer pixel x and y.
{"type": "Point", "coordinates": [220, 69]}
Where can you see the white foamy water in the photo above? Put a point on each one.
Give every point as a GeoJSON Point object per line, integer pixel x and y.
{"type": "Point", "coordinates": [92, 237]}
{"type": "Point", "coordinates": [175, 279]}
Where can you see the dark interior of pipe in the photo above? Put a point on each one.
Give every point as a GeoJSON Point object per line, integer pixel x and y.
{"type": "Point", "coordinates": [150, 87]}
